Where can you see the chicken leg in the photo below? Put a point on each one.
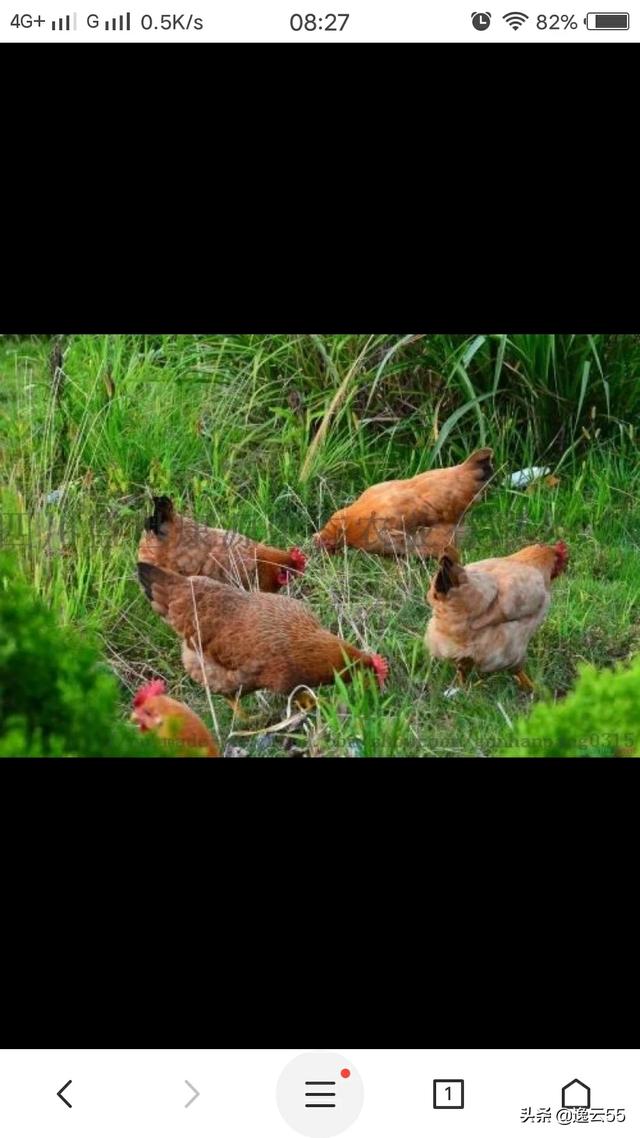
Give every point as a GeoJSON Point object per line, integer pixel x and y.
{"type": "Point", "coordinates": [523, 681]}
{"type": "Point", "coordinates": [463, 667]}
{"type": "Point", "coordinates": [238, 712]}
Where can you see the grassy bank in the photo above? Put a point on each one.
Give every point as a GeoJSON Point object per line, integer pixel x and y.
{"type": "Point", "coordinates": [269, 436]}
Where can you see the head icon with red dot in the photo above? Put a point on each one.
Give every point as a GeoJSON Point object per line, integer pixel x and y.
{"type": "Point", "coordinates": [320, 1094]}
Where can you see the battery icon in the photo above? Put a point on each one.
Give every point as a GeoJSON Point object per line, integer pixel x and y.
{"type": "Point", "coordinates": [607, 21]}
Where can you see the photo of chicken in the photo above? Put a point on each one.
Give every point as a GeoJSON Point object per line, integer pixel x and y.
{"type": "Point", "coordinates": [243, 641]}
{"type": "Point", "coordinates": [167, 718]}
{"type": "Point", "coordinates": [485, 613]}
{"type": "Point", "coordinates": [419, 515]}
{"type": "Point", "coordinates": [184, 546]}
{"type": "Point", "coordinates": [251, 517]}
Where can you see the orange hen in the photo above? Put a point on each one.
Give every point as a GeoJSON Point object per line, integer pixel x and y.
{"type": "Point", "coordinates": [239, 641]}
{"type": "Point", "coordinates": [167, 718]}
{"type": "Point", "coordinates": [485, 614]}
{"type": "Point", "coordinates": [412, 515]}
{"type": "Point", "coordinates": [187, 547]}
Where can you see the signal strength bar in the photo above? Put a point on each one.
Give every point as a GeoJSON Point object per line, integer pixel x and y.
{"type": "Point", "coordinates": [65, 23]}
{"type": "Point", "coordinates": [118, 23]}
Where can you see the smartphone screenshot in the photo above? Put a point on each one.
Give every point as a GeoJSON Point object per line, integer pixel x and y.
{"type": "Point", "coordinates": [319, 546]}
{"type": "Point", "coordinates": [319, 1093]}
{"type": "Point", "coordinates": [361, 21]}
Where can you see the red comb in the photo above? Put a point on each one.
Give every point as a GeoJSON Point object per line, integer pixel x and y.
{"type": "Point", "coordinates": [156, 687]}
{"type": "Point", "coordinates": [298, 559]}
{"type": "Point", "coordinates": [380, 667]}
{"type": "Point", "coordinates": [562, 556]}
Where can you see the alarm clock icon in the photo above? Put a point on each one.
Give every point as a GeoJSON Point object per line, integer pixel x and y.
{"type": "Point", "coordinates": [481, 21]}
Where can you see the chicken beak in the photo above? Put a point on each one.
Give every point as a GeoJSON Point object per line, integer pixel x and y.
{"type": "Point", "coordinates": [325, 546]}
{"type": "Point", "coordinates": [136, 718]}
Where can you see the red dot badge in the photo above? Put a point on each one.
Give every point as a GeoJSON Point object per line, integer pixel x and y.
{"type": "Point", "coordinates": [320, 1095]}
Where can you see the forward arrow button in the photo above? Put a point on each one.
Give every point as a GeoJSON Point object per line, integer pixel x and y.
{"type": "Point", "coordinates": [196, 1094]}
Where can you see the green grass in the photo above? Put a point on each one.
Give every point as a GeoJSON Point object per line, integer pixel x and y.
{"type": "Point", "coordinates": [269, 435]}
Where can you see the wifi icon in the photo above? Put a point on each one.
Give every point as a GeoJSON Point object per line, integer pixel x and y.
{"type": "Point", "coordinates": [515, 20]}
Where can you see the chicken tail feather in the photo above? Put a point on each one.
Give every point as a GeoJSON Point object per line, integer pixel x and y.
{"type": "Point", "coordinates": [482, 460]}
{"type": "Point", "coordinates": [449, 576]}
{"type": "Point", "coordinates": [163, 512]}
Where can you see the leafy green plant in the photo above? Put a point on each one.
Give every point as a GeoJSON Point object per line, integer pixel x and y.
{"type": "Point", "coordinates": [600, 718]}
{"type": "Point", "coordinates": [57, 699]}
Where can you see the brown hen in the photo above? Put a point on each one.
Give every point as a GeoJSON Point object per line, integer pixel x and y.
{"type": "Point", "coordinates": [185, 546]}
{"type": "Point", "coordinates": [412, 515]}
{"type": "Point", "coordinates": [241, 641]}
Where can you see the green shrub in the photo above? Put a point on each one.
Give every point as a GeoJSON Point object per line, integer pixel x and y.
{"type": "Point", "coordinates": [57, 699]}
{"type": "Point", "coordinates": [601, 717]}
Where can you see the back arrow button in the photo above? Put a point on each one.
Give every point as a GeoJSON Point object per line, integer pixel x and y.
{"type": "Point", "coordinates": [60, 1094]}
{"type": "Point", "coordinates": [196, 1094]}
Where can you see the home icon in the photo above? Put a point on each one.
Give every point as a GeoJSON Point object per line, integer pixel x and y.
{"type": "Point", "coordinates": [576, 1094]}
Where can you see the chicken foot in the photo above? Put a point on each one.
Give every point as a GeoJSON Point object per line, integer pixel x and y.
{"type": "Point", "coordinates": [306, 701]}
{"type": "Point", "coordinates": [463, 667]}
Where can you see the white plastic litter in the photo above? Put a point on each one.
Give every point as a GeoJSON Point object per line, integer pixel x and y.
{"type": "Point", "coordinates": [523, 478]}
{"type": "Point", "coordinates": [54, 496]}
{"type": "Point", "coordinates": [449, 693]}
{"type": "Point", "coordinates": [354, 749]}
